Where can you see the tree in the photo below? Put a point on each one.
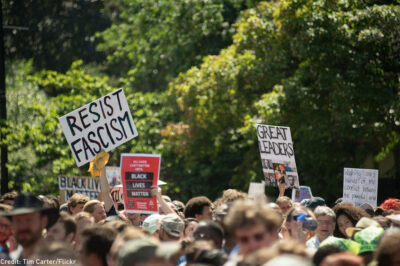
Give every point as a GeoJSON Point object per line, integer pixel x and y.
{"type": "Point", "coordinates": [36, 139]}
{"type": "Point", "coordinates": [57, 32]}
{"type": "Point", "coordinates": [158, 39]}
{"type": "Point", "coordinates": [329, 71]}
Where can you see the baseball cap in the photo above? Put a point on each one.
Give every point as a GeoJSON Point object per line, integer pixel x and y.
{"type": "Point", "coordinates": [142, 249]}
{"type": "Point", "coordinates": [173, 225]}
{"type": "Point", "coordinates": [314, 202]}
{"type": "Point", "coordinates": [368, 208]}
{"type": "Point", "coordinates": [152, 223]}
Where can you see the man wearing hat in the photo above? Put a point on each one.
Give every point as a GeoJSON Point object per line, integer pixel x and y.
{"type": "Point", "coordinates": [29, 218]}
{"type": "Point", "coordinates": [171, 228]}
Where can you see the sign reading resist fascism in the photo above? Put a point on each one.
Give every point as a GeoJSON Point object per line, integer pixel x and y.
{"type": "Point", "coordinates": [360, 186]}
{"type": "Point", "coordinates": [139, 172]}
{"type": "Point", "coordinates": [103, 124]}
{"type": "Point", "coordinates": [277, 155]}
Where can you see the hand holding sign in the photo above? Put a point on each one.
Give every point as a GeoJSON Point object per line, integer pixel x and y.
{"type": "Point", "coordinates": [98, 163]}
{"type": "Point", "coordinates": [282, 187]}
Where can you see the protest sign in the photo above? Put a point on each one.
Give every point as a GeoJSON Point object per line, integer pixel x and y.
{"type": "Point", "coordinates": [303, 192]}
{"type": "Point", "coordinates": [113, 174]}
{"type": "Point", "coordinates": [69, 185]}
{"type": "Point", "coordinates": [277, 155]}
{"type": "Point", "coordinates": [103, 124]}
{"type": "Point", "coordinates": [256, 191]}
{"type": "Point", "coordinates": [360, 186]}
{"type": "Point", "coordinates": [139, 172]}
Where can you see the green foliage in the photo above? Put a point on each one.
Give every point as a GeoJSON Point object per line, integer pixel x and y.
{"type": "Point", "coordinates": [158, 39]}
{"type": "Point", "coordinates": [329, 71]}
{"type": "Point", "coordinates": [55, 33]}
{"type": "Point", "coordinates": [39, 150]}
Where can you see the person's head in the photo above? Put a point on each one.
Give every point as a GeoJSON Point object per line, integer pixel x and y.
{"type": "Point", "coordinates": [368, 239]}
{"type": "Point", "coordinates": [28, 228]}
{"type": "Point", "coordinates": [230, 195]}
{"type": "Point", "coordinates": [127, 234]}
{"type": "Point", "coordinates": [291, 220]}
{"type": "Point", "coordinates": [134, 218]}
{"type": "Point", "coordinates": [152, 224]}
{"type": "Point", "coordinates": [342, 258]}
{"type": "Point", "coordinates": [147, 252]}
{"type": "Point", "coordinates": [383, 221]}
{"type": "Point", "coordinates": [9, 198]}
{"type": "Point", "coordinates": [326, 220]}
{"type": "Point", "coordinates": [59, 253]}
{"type": "Point", "coordinates": [29, 218]}
{"type": "Point", "coordinates": [325, 251]}
{"type": "Point", "coordinates": [76, 203]}
{"type": "Point", "coordinates": [96, 209]}
{"type": "Point", "coordinates": [284, 246]}
{"type": "Point", "coordinates": [95, 245]}
{"type": "Point", "coordinates": [63, 230]}
{"type": "Point", "coordinates": [82, 220]}
{"type": "Point", "coordinates": [5, 224]}
{"type": "Point", "coordinates": [254, 225]}
{"type": "Point", "coordinates": [202, 252]}
{"type": "Point", "coordinates": [198, 208]}
{"type": "Point", "coordinates": [388, 249]}
{"type": "Point", "coordinates": [347, 215]}
{"type": "Point", "coordinates": [284, 203]}
{"type": "Point", "coordinates": [171, 228]}
{"type": "Point", "coordinates": [190, 226]}
{"type": "Point", "coordinates": [179, 205]}
{"type": "Point", "coordinates": [314, 202]}
{"type": "Point", "coordinates": [209, 230]}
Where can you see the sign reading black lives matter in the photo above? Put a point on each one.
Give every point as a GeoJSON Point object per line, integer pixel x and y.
{"type": "Point", "coordinates": [69, 185]}
{"type": "Point", "coordinates": [277, 155]}
{"type": "Point", "coordinates": [103, 124]}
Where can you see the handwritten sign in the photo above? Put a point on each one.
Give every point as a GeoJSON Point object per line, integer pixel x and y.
{"type": "Point", "coordinates": [139, 172]}
{"type": "Point", "coordinates": [103, 124]}
{"type": "Point", "coordinates": [117, 195]}
{"type": "Point", "coordinates": [360, 186]}
{"type": "Point", "coordinates": [69, 185]}
{"type": "Point", "coordinates": [277, 155]}
{"type": "Point", "coordinates": [256, 191]}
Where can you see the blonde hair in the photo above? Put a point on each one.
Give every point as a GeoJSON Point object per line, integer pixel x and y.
{"type": "Point", "coordinates": [90, 205]}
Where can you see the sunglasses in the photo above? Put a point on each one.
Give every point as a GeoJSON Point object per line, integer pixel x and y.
{"type": "Point", "coordinates": [258, 237]}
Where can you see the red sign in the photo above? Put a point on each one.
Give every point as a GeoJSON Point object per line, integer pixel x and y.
{"type": "Point", "coordinates": [138, 173]}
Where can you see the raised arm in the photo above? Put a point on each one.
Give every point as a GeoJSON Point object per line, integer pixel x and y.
{"type": "Point", "coordinates": [105, 190]}
{"type": "Point", "coordinates": [156, 190]}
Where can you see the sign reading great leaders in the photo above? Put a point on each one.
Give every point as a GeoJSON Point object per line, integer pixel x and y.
{"type": "Point", "coordinates": [360, 186]}
{"type": "Point", "coordinates": [139, 172]}
{"type": "Point", "coordinates": [103, 124]}
{"type": "Point", "coordinates": [277, 155]}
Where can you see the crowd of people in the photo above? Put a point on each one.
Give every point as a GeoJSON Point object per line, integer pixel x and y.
{"type": "Point", "coordinates": [232, 230]}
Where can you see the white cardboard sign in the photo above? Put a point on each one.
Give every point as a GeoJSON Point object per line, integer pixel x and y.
{"type": "Point", "coordinates": [277, 155]}
{"type": "Point", "coordinates": [360, 186]}
{"type": "Point", "coordinates": [103, 124]}
{"type": "Point", "coordinates": [256, 190]}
